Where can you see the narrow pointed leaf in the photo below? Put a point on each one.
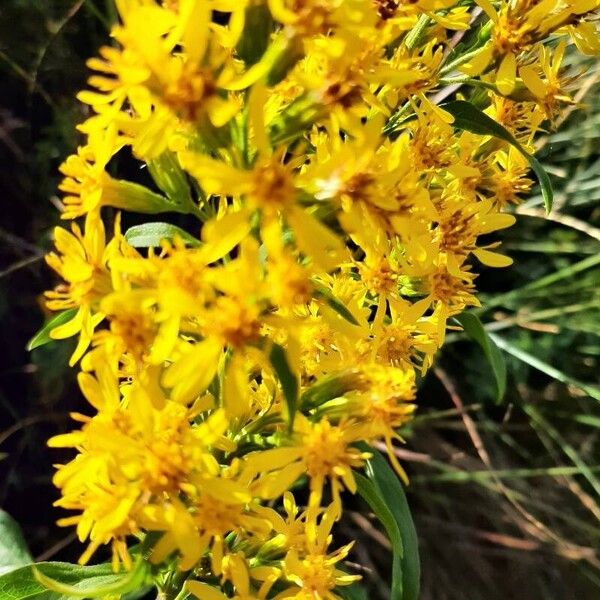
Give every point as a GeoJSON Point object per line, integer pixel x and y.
{"type": "Point", "coordinates": [90, 585]}
{"type": "Point", "coordinates": [330, 387]}
{"type": "Point", "coordinates": [474, 329]}
{"type": "Point", "coordinates": [62, 581]}
{"type": "Point", "coordinates": [287, 378]}
{"type": "Point", "coordinates": [151, 234]}
{"type": "Point", "coordinates": [388, 485]}
{"type": "Point", "coordinates": [42, 337]}
{"type": "Point", "coordinates": [371, 494]}
{"type": "Point", "coordinates": [470, 118]}
{"type": "Point", "coordinates": [335, 303]}
{"type": "Point", "coordinates": [593, 391]}
{"type": "Point", "coordinates": [353, 592]}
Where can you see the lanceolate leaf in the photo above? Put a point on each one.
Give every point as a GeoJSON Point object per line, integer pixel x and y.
{"type": "Point", "coordinates": [138, 198]}
{"type": "Point", "coordinates": [540, 365]}
{"type": "Point", "coordinates": [387, 484]}
{"type": "Point", "coordinates": [330, 387]}
{"type": "Point", "coordinates": [470, 118]}
{"type": "Point", "coordinates": [170, 178]}
{"type": "Point", "coordinates": [151, 234]}
{"type": "Point", "coordinates": [474, 329]}
{"type": "Point", "coordinates": [353, 592]}
{"type": "Point", "coordinates": [335, 303]}
{"type": "Point", "coordinates": [64, 581]}
{"type": "Point", "coordinates": [91, 586]}
{"type": "Point", "coordinates": [289, 381]}
{"type": "Point", "coordinates": [255, 38]}
{"type": "Point", "coordinates": [13, 549]}
{"type": "Point", "coordinates": [42, 337]}
{"type": "Point", "coordinates": [378, 503]}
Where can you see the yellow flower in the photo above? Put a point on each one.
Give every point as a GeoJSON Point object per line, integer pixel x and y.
{"type": "Point", "coordinates": [178, 276]}
{"type": "Point", "coordinates": [586, 37]}
{"type": "Point", "coordinates": [82, 261]}
{"type": "Point", "coordinates": [314, 17]}
{"type": "Point", "coordinates": [231, 318]}
{"type": "Point", "coordinates": [406, 340]}
{"type": "Point", "coordinates": [449, 289]}
{"type": "Point", "coordinates": [522, 119]}
{"type": "Point", "coordinates": [506, 180]}
{"type": "Point", "coordinates": [290, 532]}
{"type": "Point", "coordinates": [239, 573]}
{"type": "Point", "coordinates": [314, 571]}
{"type": "Point", "coordinates": [548, 93]}
{"type": "Point", "coordinates": [343, 75]}
{"type": "Point", "coordinates": [460, 224]}
{"type": "Point", "coordinates": [270, 189]}
{"type": "Point", "coordinates": [187, 87]}
{"type": "Point", "coordinates": [384, 399]}
{"type": "Point", "coordinates": [87, 184]}
{"type": "Point", "coordinates": [89, 187]}
{"type": "Point", "coordinates": [417, 72]}
{"type": "Point", "coordinates": [517, 26]}
{"type": "Point", "coordinates": [321, 450]}
{"type": "Point", "coordinates": [323, 339]}
{"type": "Point", "coordinates": [166, 90]}
{"type": "Point", "coordinates": [340, 208]}
{"type": "Point", "coordinates": [221, 508]}
{"type": "Point", "coordinates": [133, 455]}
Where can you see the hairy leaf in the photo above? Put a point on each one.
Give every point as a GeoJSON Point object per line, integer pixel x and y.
{"type": "Point", "coordinates": [151, 234]}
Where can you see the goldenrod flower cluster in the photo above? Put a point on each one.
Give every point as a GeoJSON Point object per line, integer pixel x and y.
{"type": "Point", "coordinates": [335, 215]}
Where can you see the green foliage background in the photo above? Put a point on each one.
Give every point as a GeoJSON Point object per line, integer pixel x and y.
{"type": "Point", "coordinates": [505, 496]}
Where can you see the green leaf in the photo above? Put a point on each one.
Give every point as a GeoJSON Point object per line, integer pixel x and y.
{"type": "Point", "coordinates": [593, 391]}
{"type": "Point", "coordinates": [330, 387]}
{"type": "Point", "coordinates": [335, 303]}
{"type": "Point", "coordinates": [353, 592]}
{"type": "Point", "coordinates": [285, 55]}
{"type": "Point", "coordinates": [373, 496]}
{"type": "Point", "coordinates": [151, 234]}
{"type": "Point", "coordinates": [171, 179]}
{"type": "Point", "coordinates": [134, 197]}
{"type": "Point", "coordinates": [470, 118]}
{"type": "Point", "coordinates": [42, 337]}
{"type": "Point", "coordinates": [543, 425]}
{"type": "Point", "coordinates": [138, 594]}
{"type": "Point", "coordinates": [415, 35]}
{"type": "Point", "coordinates": [292, 122]}
{"type": "Point", "coordinates": [388, 485]}
{"type": "Point", "coordinates": [91, 586]}
{"type": "Point", "coordinates": [289, 381]}
{"type": "Point", "coordinates": [13, 549]}
{"type": "Point", "coordinates": [474, 329]}
{"type": "Point", "coordinates": [256, 35]}
{"type": "Point", "coordinates": [64, 581]}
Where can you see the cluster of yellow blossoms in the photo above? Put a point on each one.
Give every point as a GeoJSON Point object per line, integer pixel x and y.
{"type": "Point", "coordinates": [338, 213]}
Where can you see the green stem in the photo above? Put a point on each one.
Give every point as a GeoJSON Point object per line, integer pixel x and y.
{"type": "Point", "coordinates": [468, 81]}
{"type": "Point", "coordinates": [468, 476]}
{"type": "Point", "coordinates": [416, 33]}
{"type": "Point", "coordinates": [174, 588]}
{"type": "Point", "coordinates": [91, 6]}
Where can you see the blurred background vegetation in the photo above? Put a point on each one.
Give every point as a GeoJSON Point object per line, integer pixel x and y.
{"type": "Point", "coordinates": [506, 498]}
